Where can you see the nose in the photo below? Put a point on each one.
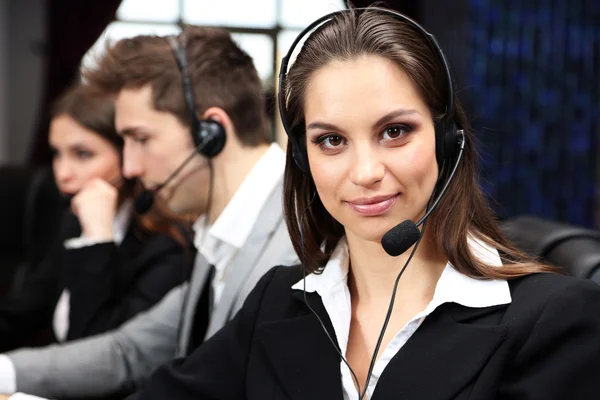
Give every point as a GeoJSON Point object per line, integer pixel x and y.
{"type": "Point", "coordinates": [132, 166]}
{"type": "Point", "coordinates": [367, 167]}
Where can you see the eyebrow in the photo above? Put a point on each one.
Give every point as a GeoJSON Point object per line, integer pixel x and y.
{"type": "Point", "coordinates": [129, 131]}
{"type": "Point", "coordinates": [381, 121]}
{"type": "Point", "coordinates": [401, 112]}
{"type": "Point", "coordinates": [79, 146]}
{"type": "Point", "coordinates": [73, 145]}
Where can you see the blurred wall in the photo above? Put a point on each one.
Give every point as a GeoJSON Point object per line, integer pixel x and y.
{"type": "Point", "coordinates": [533, 73]}
{"type": "Point", "coordinates": [21, 68]}
{"type": "Point", "coordinates": [447, 22]}
{"type": "Point", "coordinates": [25, 67]}
{"type": "Point", "coordinates": [3, 82]}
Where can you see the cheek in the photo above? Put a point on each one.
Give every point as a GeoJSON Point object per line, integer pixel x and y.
{"type": "Point", "coordinates": [416, 169]}
{"type": "Point", "coordinates": [106, 167]}
{"type": "Point", "coordinates": [162, 157]}
{"type": "Point", "coordinates": [328, 177]}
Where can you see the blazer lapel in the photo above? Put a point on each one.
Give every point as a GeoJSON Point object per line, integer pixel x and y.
{"type": "Point", "coordinates": [443, 355]}
{"type": "Point", "coordinates": [247, 259]}
{"type": "Point", "coordinates": [301, 355]}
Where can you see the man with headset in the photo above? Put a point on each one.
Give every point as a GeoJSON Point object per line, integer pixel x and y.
{"type": "Point", "coordinates": [224, 172]}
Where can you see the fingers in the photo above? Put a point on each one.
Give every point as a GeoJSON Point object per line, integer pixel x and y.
{"type": "Point", "coordinates": [96, 190]}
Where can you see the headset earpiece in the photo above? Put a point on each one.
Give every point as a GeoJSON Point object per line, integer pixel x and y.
{"type": "Point", "coordinates": [209, 137]}
{"type": "Point", "coordinates": [446, 142]}
{"type": "Point", "coordinates": [451, 141]}
{"type": "Point", "coordinates": [299, 155]}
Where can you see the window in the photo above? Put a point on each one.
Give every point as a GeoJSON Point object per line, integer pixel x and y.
{"type": "Point", "coordinates": [265, 29]}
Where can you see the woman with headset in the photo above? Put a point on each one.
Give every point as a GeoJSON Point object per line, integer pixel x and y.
{"type": "Point", "coordinates": [408, 288]}
{"type": "Point", "coordinates": [107, 264]}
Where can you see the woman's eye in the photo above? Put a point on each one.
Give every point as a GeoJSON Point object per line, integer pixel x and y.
{"type": "Point", "coordinates": [84, 155]}
{"type": "Point", "coordinates": [393, 132]}
{"type": "Point", "coordinates": [330, 142]}
{"type": "Point", "coordinates": [333, 140]}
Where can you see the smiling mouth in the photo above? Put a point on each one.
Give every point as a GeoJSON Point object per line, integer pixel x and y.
{"type": "Point", "coordinates": [373, 206]}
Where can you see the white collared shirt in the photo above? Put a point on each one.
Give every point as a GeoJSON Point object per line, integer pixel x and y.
{"type": "Point", "coordinates": [220, 242]}
{"type": "Point", "coordinates": [452, 286]}
{"type": "Point", "coordinates": [60, 320]}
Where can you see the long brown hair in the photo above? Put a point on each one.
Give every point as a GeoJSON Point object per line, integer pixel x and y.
{"type": "Point", "coordinates": [95, 112]}
{"type": "Point", "coordinates": [461, 212]}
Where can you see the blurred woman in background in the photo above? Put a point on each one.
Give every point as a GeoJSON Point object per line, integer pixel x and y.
{"type": "Point", "coordinates": [107, 264]}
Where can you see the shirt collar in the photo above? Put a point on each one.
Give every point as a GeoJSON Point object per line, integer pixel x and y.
{"type": "Point", "coordinates": [452, 286]}
{"type": "Point", "coordinates": [121, 221]}
{"type": "Point", "coordinates": [234, 224]}
{"type": "Point", "coordinates": [329, 278]}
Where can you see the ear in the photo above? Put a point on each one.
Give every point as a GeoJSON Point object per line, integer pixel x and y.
{"type": "Point", "coordinates": [219, 115]}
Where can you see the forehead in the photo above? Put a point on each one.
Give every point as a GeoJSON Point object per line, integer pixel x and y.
{"type": "Point", "coordinates": [359, 87]}
{"type": "Point", "coordinates": [135, 113]}
{"type": "Point", "coordinates": [65, 131]}
{"type": "Point", "coordinates": [133, 103]}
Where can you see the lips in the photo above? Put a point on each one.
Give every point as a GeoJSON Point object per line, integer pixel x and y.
{"type": "Point", "coordinates": [372, 206]}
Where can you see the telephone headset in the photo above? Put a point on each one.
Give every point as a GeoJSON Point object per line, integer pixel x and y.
{"type": "Point", "coordinates": [449, 142]}
{"type": "Point", "coordinates": [209, 139]}
{"type": "Point", "coordinates": [208, 135]}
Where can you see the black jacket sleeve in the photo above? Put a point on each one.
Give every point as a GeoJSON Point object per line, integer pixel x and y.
{"type": "Point", "coordinates": [561, 357]}
{"type": "Point", "coordinates": [216, 369]}
{"type": "Point", "coordinates": [102, 297]}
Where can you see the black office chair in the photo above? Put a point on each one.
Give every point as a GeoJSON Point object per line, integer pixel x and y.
{"type": "Point", "coordinates": [573, 248]}
{"type": "Point", "coordinates": [30, 207]}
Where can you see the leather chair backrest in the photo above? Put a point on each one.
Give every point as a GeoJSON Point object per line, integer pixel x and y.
{"type": "Point", "coordinates": [576, 249]}
{"type": "Point", "coordinates": [30, 208]}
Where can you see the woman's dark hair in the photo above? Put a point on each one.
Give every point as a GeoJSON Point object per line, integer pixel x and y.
{"type": "Point", "coordinates": [90, 110]}
{"type": "Point", "coordinates": [95, 112]}
{"type": "Point", "coordinates": [462, 211]}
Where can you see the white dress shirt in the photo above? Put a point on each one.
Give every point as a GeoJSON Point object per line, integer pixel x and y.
{"type": "Point", "coordinates": [220, 242]}
{"type": "Point", "coordinates": [452, 286]}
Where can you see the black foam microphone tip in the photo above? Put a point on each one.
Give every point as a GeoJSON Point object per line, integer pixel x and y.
{"type": "Point", "coordinates": [400, 238]}
{"type": "Point", "coordinates": [144, 201]}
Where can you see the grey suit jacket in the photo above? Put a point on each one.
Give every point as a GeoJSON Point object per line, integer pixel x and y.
{"type": "Point", "coordinates": [121, 360]}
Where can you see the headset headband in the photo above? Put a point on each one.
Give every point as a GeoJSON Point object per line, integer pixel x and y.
{"type": "Point", "coordinates": [283, 70]}
{"type": "Point", "coordinates": [178, 46]}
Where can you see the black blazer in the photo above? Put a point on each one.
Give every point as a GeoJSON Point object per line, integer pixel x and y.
{"type": "Point", "coordinates": [544, 345]}
{"type": "Point", "coordinates": [108, 284]}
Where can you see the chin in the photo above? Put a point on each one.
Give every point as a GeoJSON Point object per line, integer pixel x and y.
{"type": "Point", "coordinates": [371, 231]}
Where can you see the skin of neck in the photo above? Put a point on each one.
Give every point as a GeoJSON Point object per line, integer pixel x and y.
{"type": "Point", "coordinates": [373, 272]}
{"type": "Point", "coordinates": [231, 167]}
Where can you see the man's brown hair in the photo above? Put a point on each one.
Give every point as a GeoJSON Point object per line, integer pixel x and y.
{"type": "Point", "coordinates": [221, 74]}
